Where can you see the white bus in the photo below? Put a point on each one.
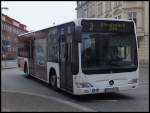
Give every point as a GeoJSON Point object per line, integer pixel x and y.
{"type": "Point", "coordinates": [85, 56]}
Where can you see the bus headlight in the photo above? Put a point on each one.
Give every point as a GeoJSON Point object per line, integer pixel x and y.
{"type": "Point", "coordinates": [83, 85]}
{"type": "Point", "coordinates": [132, 81]}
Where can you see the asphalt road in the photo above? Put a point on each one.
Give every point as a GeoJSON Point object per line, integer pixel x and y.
{"type": "Point", "coordinates": [22, 94]}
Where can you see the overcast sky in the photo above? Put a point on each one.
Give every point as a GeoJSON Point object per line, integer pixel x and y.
{"type": "Point", "coordinates": [39, 15]}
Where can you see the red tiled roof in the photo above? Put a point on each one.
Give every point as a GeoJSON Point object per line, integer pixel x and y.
{"type": "Point", "coordinates": [11, 20]}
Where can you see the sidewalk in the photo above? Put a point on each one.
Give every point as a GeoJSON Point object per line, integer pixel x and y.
{"type": "Point", "coordinates": [8, 64]}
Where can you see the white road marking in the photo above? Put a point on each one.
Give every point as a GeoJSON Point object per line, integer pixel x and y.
{"type": "Point", "coordinates": [108, 100]}
{"type": "Point", "coordinates": [55, 99]}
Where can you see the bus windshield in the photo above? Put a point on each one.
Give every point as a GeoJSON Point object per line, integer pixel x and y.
{"type": "Point", "coordinates": [108, 52]}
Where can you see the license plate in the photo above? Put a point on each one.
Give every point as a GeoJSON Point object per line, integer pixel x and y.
{"type": "Point", "coordinates": [95, 90]}
{"type": "Point", "coordinates": [107, 90]}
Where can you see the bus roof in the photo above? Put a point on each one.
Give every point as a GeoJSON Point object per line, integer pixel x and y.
{"type": "Point", "coordinates": [32, 32]}
{"type": "Point", "coordinates": [111, 19]}
{"type": "Point", "coordinates": [77, 22]}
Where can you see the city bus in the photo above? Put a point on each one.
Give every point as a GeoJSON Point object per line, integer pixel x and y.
{"type": "Point", "coordinates": [84, 56]}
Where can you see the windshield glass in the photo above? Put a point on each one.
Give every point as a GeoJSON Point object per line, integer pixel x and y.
{"type": "Point", "coordinates": [108, 53]}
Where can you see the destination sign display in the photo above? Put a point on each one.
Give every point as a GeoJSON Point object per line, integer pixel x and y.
{"type": "Point", "coordinates": [106, 26]}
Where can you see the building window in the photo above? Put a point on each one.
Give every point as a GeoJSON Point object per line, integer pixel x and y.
{"type": "Point", "coordinates": [132, 16]}
{"type": "Point", "coordinates": [117, 3]}
{"type": "Point", "coordinates": [6, 45]}
{"type": "Point", "coordinates": [9, 28]}
{"type": "Point", "coordinates": [93, 9]}
{"type": "Point", "coordinates": [79, 3]}
{"type": "Point", "coordinates": [91, 13]}
{"type": "Point", "coordinates": [4, 26]}
{"type": "Point", "coordinates": [15, 23]}
{"type": "Point", "coordinates": [100, 9]}
{"type": "Point", "coordinates": [18, 31]}
{"type": "Point", "coordinates": [9, 38]}
{"type": "Point", "coordinates": [90, 10]}
{"type": "Point", "coordinates": [13, 49]}
{"type": "Point", "coordinates": [119, 17]}
{"type": "Point", "coordinates": [15, 30]}
{"type": "Point", "coordinates": [108, 5]}
{"type": "Point", "coordinates": [85, 13]}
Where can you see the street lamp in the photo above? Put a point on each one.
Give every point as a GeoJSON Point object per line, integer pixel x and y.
{"type": "Point", "coordinates": [5, 8]}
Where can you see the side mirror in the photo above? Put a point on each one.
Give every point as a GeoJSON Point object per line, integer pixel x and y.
{"type": "Point", "coordinates": [66, 52]}
{"type": "Point", "coordinates": [78, 33]}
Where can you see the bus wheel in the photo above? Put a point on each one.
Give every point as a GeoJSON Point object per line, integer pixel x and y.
{"type": "Point", "coordinates": [53, 81]}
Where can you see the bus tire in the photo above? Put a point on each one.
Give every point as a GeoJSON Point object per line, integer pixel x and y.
{"type": "Point", "coordinates": [53, 80]}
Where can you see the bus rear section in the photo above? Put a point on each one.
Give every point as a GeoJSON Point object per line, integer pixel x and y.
{"type": "Point", "coordinates": [23, 54]}
{"type": "Point", "coordinates": [108, 58]}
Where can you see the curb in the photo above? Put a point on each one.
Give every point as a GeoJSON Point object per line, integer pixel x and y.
{"type": "Point", "coordinates": [8, 67]}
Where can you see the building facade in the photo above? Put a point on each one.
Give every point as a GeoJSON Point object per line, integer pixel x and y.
{"type": "Point", "coordinates": [136, 10]}
{"type": "Point", "coordinates": [10, 28]}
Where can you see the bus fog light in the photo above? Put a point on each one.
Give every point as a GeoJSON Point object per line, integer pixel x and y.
{"type": "Point", "coordinates": [132, 81]}
{"type": "Point", "coordinates": [83, 85]}
{"type": "Point", "coordinates": [86, 91]}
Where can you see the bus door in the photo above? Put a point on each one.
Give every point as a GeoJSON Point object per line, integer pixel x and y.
{"type": "Point", "coordinates": [40, 64]}
{"type": "Point", "coordinates": [66, 79]}
{"type": "Point", "coordinates": [31, 58]}
{"type": "Point", "coordinates": [69, 76]}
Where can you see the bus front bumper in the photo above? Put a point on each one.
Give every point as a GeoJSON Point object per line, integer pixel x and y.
{"type": "Point", "coordinates": [95, 90]}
